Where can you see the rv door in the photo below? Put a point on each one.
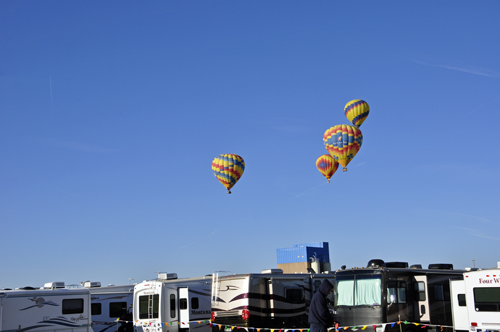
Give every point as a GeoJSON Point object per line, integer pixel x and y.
{"type": "Point", "coordinates": [184, 309]}
{"type": "Point", "coordinates": [421, 297]}
{"type": "Point", "coordinates": [458, 306]}
{"type": "Point", "coordinates": [170, 310]}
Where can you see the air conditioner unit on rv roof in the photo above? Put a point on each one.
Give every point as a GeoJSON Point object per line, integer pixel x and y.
{"type": "Point", "coordinates": [440, 266]}
{"type": "Point", "coordinates": [167, 276]}
{"type": "Point", "coordinates": [91, 284]}
{"type": "Point", "coordinates": [54, 284]}
{"type": "Point", "coordinates": [403, 265]}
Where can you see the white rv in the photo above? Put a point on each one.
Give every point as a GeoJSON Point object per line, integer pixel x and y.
{"type": "Point", "coordinates": [169, 304]}
{"type": "Point", "coordinates": [110, 303]}
{"type": "Point", "coordinates": [270, 299]}
{"type": "Point", "coordinates": [51, 308]}
{"type": "Point", "coordinates": [476, 301]}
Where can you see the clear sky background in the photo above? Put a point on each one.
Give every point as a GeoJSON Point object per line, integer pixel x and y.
{"type": "Point", "coordinates": [111, 113]}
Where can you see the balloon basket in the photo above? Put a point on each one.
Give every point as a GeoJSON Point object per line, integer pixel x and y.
{"type": "Point", "coordinates": [344, 169]}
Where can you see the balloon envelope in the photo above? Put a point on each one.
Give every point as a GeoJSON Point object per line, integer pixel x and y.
{"type": "Point", "coordinates": [343, 142]}
{"type": "Point", "coordinates": [228, 169]}
{"type": "Point", "coordinates": [327, 165]}
{"type": "Point", "coordinates": [356, 111]}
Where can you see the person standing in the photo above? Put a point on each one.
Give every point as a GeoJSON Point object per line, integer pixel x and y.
{"type": "Point", "coordinates": [320, 317]}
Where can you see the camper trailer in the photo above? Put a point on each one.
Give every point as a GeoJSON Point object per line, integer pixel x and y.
{"type": "Point", "coordinates": [52, 308]}
{"type": "Point", "coordinates": [476, 301]}
{"type": "Point", "coordinates": [108, 304]}
{"type": "Point", "coordinates": [169, 304]}
{"type": "Point", "coordinates": [385, 293]}
{"type": "Point", "coordinates": [270, 299]}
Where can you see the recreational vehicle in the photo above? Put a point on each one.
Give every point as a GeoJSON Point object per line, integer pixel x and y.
{"type": "Point", "coordinates": [476, 301]}
{"type": "Point", "coordinates": [52, 308]}
{"type": "Point", "coordinates": [270, 299]}
{"type": "Point", "coordinates": [110, 303]}
{"type": "Point", "coordinates": [169, 304]}
{"type": "Point", "coordinates": [385, 294]}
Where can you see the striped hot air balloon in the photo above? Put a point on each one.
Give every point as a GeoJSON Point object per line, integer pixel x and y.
{"type": "Point", "coordinates": [327, 165]}
{"type": "Point", "coordinates": [356, 111]}
{"type": "Point", "coordinates": [343, 142]}
{"type": "Point", "coordinates": [228, 169]}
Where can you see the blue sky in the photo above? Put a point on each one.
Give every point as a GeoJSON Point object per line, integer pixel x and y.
{"type": "Point", "coordinates": [112, 112]}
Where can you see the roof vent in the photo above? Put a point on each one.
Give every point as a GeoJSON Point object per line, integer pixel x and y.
{"type": "Point", "coordinates": [416, 266]}
{"type": "Point", "coordinates": [54, 284]}
{"type": "Point", "coordinates": [440, 266]}
{"type": "Point", "coordinates": [91, 284]}
{"type": "Point", "coordinates": [403, 265]}
{"type": "Point", "coordinates": [376, 263]}
{"type": "Point", "coordinates": [272, 271]}
{"type": "Point", "coordinates": [167, 276]}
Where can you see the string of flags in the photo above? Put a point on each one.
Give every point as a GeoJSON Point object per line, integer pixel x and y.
{"type": "Point", "coordinates": [166, 324]}
{"type": "Point", "coordinates": [336, 328]}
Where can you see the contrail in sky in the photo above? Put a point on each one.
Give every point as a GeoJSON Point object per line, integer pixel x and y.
{"type": "Point", "coordinates": [461, 69]}
{"type": "Point", "coordinates": [309, 190]}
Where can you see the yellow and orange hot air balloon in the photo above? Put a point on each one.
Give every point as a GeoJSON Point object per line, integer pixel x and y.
{"type": "Point", "coordinates": [327, 165]}
{"type": "Point", "coordinates": [228, 169]}
{"type": "Point", "coordinates": [356, 111]}
{"type": "Point", "coordinates": [343, 142]}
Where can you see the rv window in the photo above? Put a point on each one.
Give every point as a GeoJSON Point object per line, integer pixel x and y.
{"type": "Point", "coordinates": [398, 289]}
{"type": "Point", "coordinates": [183, 304]}
{"type": "Point", "coordinates": [172, 306]}
{"type": "Point", "coordinates": [344, 292]}
{"type": "Point", "coordinates": [148, 306]}
{"type": "Point", "coordinates": [438, 293]}
{"type": "Point", "coordinates": [294, 295]}
{"type": "Point", "coordinates": [365, 290]}
{"type": "Point", "coordinates": [401, 292]}
{"type": "Point", "coordinates": [72, 306]}
{"type": "Point", "coordinates": [95, 309]}
{"type": "Point", "coordinates": [461, 300]}
{"type": "Point", "coordinates": [195, 303]}
{"type": "Point", "coordinates": [117, 309]}
{"type": "Point", "coordinates": [368, 290]}
{"type": "Point", "coordinates": [487, 299]}
{"type": "Point", "coordinates": [317, 283]}
{"type": "Point", "coordinates": [391, 290]}
{"type": "Point", "coordinates": [420, 291]}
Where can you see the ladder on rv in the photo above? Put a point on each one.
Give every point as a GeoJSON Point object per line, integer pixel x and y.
{"type": "Point", "coordinates": [215, 287]}
{"type": "Point", "coordinates": [150, 306]}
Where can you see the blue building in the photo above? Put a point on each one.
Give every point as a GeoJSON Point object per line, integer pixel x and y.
{"type": "Point", "coordinates": [302, 257]}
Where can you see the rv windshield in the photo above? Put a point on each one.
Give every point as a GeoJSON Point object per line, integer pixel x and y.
{"type": "Point", "coordinates": [358, 290]}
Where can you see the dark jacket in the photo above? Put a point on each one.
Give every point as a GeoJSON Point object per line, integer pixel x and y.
{"type": "Point", "coordinates": [318, 312]}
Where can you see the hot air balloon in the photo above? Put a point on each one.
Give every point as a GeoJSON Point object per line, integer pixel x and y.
{"type": "Point", "coordinates": [228, 169]}
{"type": "Point", "coordinates": [343, 142]}
{"type": "Point", "coordinates": [327, 165]}
{"type": "Point", "coordinates": [356, 111]}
